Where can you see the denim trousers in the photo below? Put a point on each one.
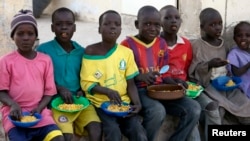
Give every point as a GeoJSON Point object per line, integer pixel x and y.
{"type": "Point", "coordinates": [114, 127]}
{"type": "Point", "coordinates": [154, 113]}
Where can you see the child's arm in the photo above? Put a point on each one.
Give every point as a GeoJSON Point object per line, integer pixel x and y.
{"type": "Point", "coordinates": [113, 95]}
{"type": "Point", "coordinates": [240, 71]}
{"type": "Point", "coordinates": [43, 103]}
{"type": "Point", "coordinates": [15, 109]}
{"type": "Point", "coordinates": [134, 96]}
{"type": "Point", "coordinates": [148, 78]}
{"type": "Point", "coordinates": [65, 94]}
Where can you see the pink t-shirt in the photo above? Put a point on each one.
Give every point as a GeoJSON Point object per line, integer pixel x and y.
{"type": "Point", "coordinates": [27, 81]}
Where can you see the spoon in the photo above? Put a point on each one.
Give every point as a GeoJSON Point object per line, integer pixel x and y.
{"type": "Point", "coordinates": [164, 69]}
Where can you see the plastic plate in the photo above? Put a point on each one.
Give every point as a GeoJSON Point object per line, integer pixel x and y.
{"type": "Point", "coordinates": [77, 100]}
{"type": "Point", "coordinates": [105, 105]}
{"type": "Point", "coordinates": [26, 124]}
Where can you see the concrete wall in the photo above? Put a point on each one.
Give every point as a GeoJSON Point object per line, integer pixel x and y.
{"type": "Point", "coordinates": [7, 9]}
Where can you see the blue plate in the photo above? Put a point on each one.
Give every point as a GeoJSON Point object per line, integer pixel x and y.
{"type": "Point", "coordinates": [26, 124]}
{"type": "Point", "coordinates": [105, 105]}
{"type": "Point", "coordinates": [220, 83]}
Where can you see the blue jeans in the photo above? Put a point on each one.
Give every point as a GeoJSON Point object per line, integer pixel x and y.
{"type": "Point", "coordinates": [113, 127]}
{"type": "Point", "coordinates": [154, 112]}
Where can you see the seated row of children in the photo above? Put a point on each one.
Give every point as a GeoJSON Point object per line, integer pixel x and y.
{"type": "Point", "coordinates": [120, 72]}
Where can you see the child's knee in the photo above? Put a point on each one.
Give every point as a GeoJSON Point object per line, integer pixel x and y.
{"type": "Point", "coordinates": [212, 106]}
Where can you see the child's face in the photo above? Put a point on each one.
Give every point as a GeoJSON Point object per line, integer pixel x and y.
{"type": "Point", "coordinates": [25, 37]}
{"type": "Point", "coordinates": [149, 26]}
{"type": "Point", "coordinates": [170, 20]}
{"type": "Point", "coordinates": [242, 36]}
{"type": "Point", "coordinates": [212, 27]}
{"type": "Point", "coordinates": [63, 26]}
{"type": "Point", "coordinates": [110, 28]}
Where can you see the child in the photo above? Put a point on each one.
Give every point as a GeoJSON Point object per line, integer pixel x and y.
{"type": "Point", "coordinates": [67, 56]}
{"type": "Point", "coordinates": [27, 83]}
{"type": "Point", "coordinates": [151, 53]}
{"type": "Point", "coordinates": [105, 81]}
{"type": "Point", "coordinates": [180, 57]}
{"type": "Point", "coordinates": [209, 62]}
{"type": "Point", "coordinates": [239, 56]}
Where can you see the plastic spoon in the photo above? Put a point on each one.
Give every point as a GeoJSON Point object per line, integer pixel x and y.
{"type": "Point", "coordinates": [164, 69]}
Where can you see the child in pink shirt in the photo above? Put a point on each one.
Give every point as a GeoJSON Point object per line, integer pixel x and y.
{"type": "Point", "coordinates": [27, 83]}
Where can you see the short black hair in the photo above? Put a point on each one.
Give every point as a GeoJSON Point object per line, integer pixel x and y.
{"type": "Point", "coordinates": [108, 11]}
{"type": "Point", "coordinates": [167, 7]}
{"type": "Point", "coordinates": [62, 9]}
{"type": "Point", "coordinates": [240, 24]}
{"type": "Point", "coordinates": [206, 14]}
{"type": "Point", "coordinates": [143, 10]}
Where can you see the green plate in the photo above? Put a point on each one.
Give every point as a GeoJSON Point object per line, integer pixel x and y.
{"type": "Point", "coordinates": [192, 93]}
{"type": "Point", "coordinates": [77, 100]}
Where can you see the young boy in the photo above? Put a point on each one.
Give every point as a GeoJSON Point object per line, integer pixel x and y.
{"type": "Point", "coordinates": [27, 83]}
{"type": "Point", "coordinates": [67, 56]}
{"type": "Point", "coordinates": [209, 62]}
{"type": "Point", "coordinates": [151, 53]}
{"type": "Point", "coordinates": [180, 57]}
{"type": "Point", "coordinates": [105, 81]}
{"type": "Point", "coordinates": [239, 56]}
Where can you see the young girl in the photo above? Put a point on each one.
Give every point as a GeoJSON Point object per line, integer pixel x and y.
{"type": "Point", "coordinates": [27, 83]}
{"type": "Point", "coordinates": [239, 56]}
{"type": "Point", "coordinates": [209, 62]}
{"type": "Point", "coordinates": [105, 81]}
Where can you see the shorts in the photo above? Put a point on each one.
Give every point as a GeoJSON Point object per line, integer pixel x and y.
{"type": "Point", "coordinates": [78, 120]}
{"type": "Point", "coordinates": [45, 133]}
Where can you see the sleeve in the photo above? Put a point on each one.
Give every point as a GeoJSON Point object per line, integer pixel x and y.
{"type": "Point", "coordinates": [4, 75]}
{"type": "Point", "coordinates": [233, 58]}
{"type": "Point", "coordinates": [189, 56]}
{"type": "Point", "coordinates": [88, 81]}
{"type": "Point", "coordinates": [132, 69]}
{"type": "Point", "coordinates": [125, 43]}
{"type": "Point", "coordinates": [198, 69]}
{"type": "Point", "coordinates": [50, 87]}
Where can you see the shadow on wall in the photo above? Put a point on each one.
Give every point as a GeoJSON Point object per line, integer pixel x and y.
{"type": "Point", "coordinates": [39, 6]}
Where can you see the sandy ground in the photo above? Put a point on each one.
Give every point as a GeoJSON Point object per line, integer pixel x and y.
{"type": "Point", "coordinates": [86, 32]}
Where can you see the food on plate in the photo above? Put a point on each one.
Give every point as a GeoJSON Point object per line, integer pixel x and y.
{"type": "Point", "coordinates": [28, 118]}
{"type": "Point", "coordinates": [230, 83]}
{"type": "Point", "coordinates": [118, 108]}
{"type": "Point", "coordinates": [70, 107]}
{"type": "Point", "coordinates": [193, 87]}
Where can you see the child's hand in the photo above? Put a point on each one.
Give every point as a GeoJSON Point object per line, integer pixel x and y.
{"type": "Point", "coordinates": [15, 111]}
{"type": "Point", "coordinates": [80, 93]}
{"type": "Point", "coordinates": [36, 110]}
{"type": "Point", "coordinates": [135, 110]}
{"type": "Point", "coordinates": [169, 80]}
{"type": "Point", "coordinates": [114, 96]}
{"type": "Point", "coordinates": [149, 77]}
{"type": "Point", "coordinates": [217, 62]}
{"type": "Point", "coordinates": [180, 81]}
{"type": "Point", "coordinates": [66, 95]}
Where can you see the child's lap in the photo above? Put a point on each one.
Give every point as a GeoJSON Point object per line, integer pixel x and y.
{"type": "Point", "coordinates": [79, 120]}
{"type": "Point", "coordinates": [39, 134]}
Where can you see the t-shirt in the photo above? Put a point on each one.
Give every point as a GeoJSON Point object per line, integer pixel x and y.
{"type": "Point", "coordinates": [111, 70]}
{"type": "Point", "coordinates": [67, 66]}
{"type": "Point", "coordinates": [27, 81]}
{"type": "Point", "coordinates": [239, 58]}
{"type": "Point", "coordinates": [148, 57]}
{"type": "Point", "coordinates": [180, 57]}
